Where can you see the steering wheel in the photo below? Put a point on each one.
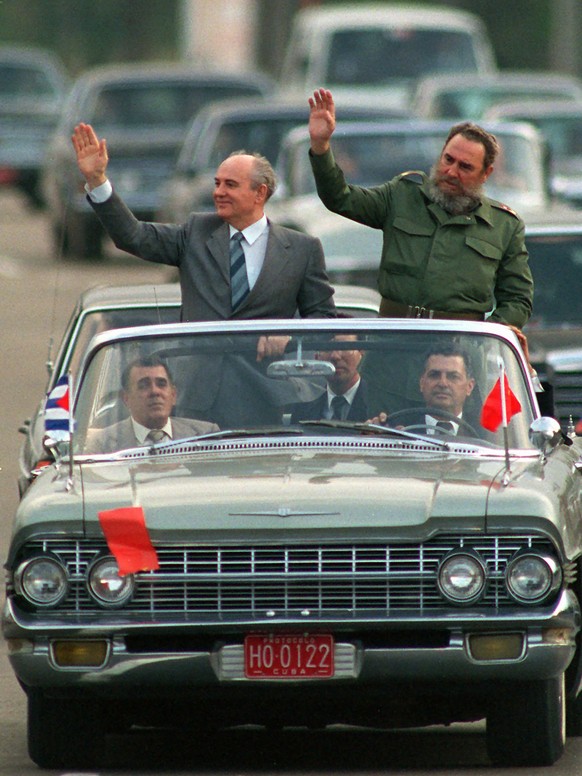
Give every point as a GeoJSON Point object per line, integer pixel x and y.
{"type": "Point", "coordinates": [443, 414]}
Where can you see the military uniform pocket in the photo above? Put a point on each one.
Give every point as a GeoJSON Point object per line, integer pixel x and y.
{"type": "Point", "coordinates": [408, 245]}
{"type": "Point", "coordinates": [484, 249]}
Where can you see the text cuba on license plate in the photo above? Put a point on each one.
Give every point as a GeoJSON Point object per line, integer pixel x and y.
{"type": "Point", "coordinates": [288, 656]}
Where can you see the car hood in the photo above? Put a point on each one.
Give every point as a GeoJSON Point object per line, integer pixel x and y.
{"type": "Point", "coordinates": [304, 488]}
{"type": "Point", "coordinates": [308, 492]}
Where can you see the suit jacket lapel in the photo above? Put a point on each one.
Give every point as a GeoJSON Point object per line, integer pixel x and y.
{"type": "Point", "coordinates": [276, 258]}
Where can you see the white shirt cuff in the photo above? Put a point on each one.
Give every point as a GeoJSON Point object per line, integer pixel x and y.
{"type": "Point", "coordinates": [100, 193]}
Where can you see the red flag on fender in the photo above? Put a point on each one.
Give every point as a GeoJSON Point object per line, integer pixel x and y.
{"type": "Point", "coordinates": [492, 410]}
{"type": "Point", "coordinates": [128, 539]}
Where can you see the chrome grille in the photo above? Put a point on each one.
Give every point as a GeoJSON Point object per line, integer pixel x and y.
{"type": "Point", "coordinates": [326, 579]}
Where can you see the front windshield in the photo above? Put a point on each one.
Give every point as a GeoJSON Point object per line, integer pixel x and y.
{"type": "Point", "coordinates": [472, 102]}
{"type": "Point", "coordinates": [563, 134]}
{"type": "Point", "coordinates": [261, 135]}
{"type": "Point", "coordinates": [189, 385]}
{"type": "Point", "coordinates": [26, 81]}
{"type": "Point", "coordinates": [164, 104]}
{"type": "Point", "coordinates": [556, 264]}
{"type": "Point", "coordinates": [375, 56]}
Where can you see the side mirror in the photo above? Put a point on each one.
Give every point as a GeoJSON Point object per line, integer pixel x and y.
{"type": "Point", "coordinates": [57, 444]}
{"type": "Point", "coordinates": [545, 434]}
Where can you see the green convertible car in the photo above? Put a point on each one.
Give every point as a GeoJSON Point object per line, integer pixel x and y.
{"type": "Point", "coordinates": [411, 557]}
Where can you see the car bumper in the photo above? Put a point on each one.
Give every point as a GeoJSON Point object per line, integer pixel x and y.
{"type": "Point", "coordinates": [500, 648]}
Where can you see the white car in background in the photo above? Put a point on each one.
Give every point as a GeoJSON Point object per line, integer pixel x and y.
{"type": "Point", "coordinates": [378, 52]}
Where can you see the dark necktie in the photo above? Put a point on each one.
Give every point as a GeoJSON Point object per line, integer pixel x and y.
{"type": "Point", "coordinates": [239, 282]}
{"type": "Point", "coordinates": [156, 435]}
{"type": "Point", "coordinates": [338, 407]}
{"type": "Point", "coordinates": [446, 426]}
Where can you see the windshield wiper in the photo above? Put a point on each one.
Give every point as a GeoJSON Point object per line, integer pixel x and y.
{"type": "Point", "coordinates": [374, 428]}
{"type": "Point", "coordinates": [230, 433]}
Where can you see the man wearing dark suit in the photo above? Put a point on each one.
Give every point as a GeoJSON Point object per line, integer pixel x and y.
{"type": "Point", "coordinates": [149, 394]}
{"type": "Point", "coordinates": [285, 269]}
{"type": "Point", "coordinates": [446, 383]}
{"type": "Point", "coordinates": [345, 397]}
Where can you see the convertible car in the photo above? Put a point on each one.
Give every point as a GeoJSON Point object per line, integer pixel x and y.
{"type": "Point", "coordinates": [413, 565]}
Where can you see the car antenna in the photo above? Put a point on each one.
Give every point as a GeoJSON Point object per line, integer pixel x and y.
{"type": "Point", "coordinates": [157, 304]}
{"type": "Point", "coordinates": [71, 430]}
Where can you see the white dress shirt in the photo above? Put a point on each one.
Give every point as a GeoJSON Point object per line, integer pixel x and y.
{"type": "Point", "coordinates": [254, 246]}
{"type": "Point", "coordinates": [141, 432]}
{"type": "Point", "coordinates": [348, 395]}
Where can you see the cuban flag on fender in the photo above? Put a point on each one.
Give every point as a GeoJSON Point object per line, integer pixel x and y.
{"type": "Point", "coordinates": [57, 416]}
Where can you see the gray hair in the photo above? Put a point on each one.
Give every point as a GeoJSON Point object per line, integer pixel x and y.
{"type": "Point", "coordinates": [262, 172]}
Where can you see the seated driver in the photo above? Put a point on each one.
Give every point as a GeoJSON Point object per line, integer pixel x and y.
{"type": "Point", "coordinates": [149, 393]}
{"type": "Point", "coordinates": [446, 383]}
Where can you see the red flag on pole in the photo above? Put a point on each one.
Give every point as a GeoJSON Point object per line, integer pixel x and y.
{"type": "Point", "coordinates": [128, 539]}
{"type": "Point", "coordinates": [492, 412]}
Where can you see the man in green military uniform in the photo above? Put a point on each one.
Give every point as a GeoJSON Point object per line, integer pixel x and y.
{"type": "Point", "coordinates": [449, 251]}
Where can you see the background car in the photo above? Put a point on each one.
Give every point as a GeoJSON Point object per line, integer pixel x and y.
{"type": "Point", "coordinates": [111, 307]}
{"type": "Point", "coordinates": [301, 573]}
{"type": "Point", "coordinates": [376, 53]}
{"type": "Point", "coordinates": [143, 111]}
{"type": "Point", "coordinates": [221, 128]}
{"type": "Point", "coordinates": [373, 153]}
{"type": "Point", "coordinates": [554, 330]}
{"type": "Point", "coordinates": [560, 122]}
{"type": "Point", "coordinates": [468, 96]}
{"type": "Point", "coordinates": [33, 86]}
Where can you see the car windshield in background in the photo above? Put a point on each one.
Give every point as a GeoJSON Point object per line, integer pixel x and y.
{"type": "Point", "coordinates": [219, 379]}
{"type": "Point", "coordinates": [377, 56]}
{"type": "Point", "coordinates": [136, 105]}
{"type": "Point", "coordinates": [21, 80]}
{"type": "Point", "coordinates": [563, 133]}
{"type": "Point", "coordinates": [265, 135]}
{"type": "Point", "coordinates": [556, 264]}
{"type": "Point", "coordinates": [473, 102]}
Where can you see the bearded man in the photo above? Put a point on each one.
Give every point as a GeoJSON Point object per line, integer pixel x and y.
{"type": "Point", "coordinates": [448, 250]}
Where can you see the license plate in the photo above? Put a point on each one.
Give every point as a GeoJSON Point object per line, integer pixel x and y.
{"type": "Point", "coordinates": [288, 656]}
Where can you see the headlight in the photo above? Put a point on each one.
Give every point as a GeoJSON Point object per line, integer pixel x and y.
{"type": "Point", "coordinates": [42, 581]}
{"type": "Point", "coordinates": [461, 577]}
{"type": "Point", "coordinates": [531, 577]}
{"type": "Point", "coordinates": [106, 585]}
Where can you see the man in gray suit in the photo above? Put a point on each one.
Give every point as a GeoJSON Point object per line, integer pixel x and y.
{"type": "Point", "coordinates": [149, 393]}
{"type": "Point", "coordinates": [285, 269]}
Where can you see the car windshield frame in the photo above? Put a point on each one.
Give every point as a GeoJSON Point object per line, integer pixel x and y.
{"type": "Point", "coordinates": [296, 377]}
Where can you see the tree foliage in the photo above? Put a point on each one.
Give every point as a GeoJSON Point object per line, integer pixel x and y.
{"type": "Point", "coordinates": [90, 32]}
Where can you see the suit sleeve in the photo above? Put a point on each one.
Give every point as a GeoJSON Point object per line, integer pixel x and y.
{"type": "Point", "coordinates": [366, 206]}
{"type": "Point", "coordinates": [160, 243]}
{"type": "Point", "coordinates": [315, 298]}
